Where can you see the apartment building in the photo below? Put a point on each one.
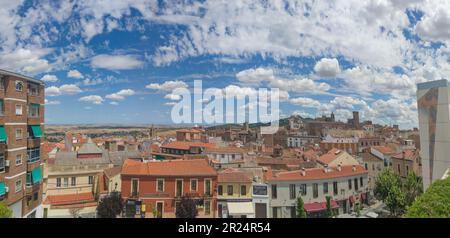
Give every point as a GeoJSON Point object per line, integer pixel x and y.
{"type": "Point", "coordinates": [155, 188]}
{"type": "Point", "coordinates": [349, 144]}
{"type": "Point", "coordinates": [406, 162]}
{"type": "Point", "coordinates": [21, 130]}
{"type": "Point", "coordinates": [234, 194]}
{"type": "Point", "coordinates": [178, 149]}
{"type": "Point", "coordinates": [346, 185]}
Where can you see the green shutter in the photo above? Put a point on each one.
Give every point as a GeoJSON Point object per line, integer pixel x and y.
{"type": "Point", "coordinates": [37, 132]}
{"type": "Point", "coordinates": [36, 175]}
{"type": "Point", "coordinates": [2, 188]}
{"type": "Point", "coordinates": [2, 134]}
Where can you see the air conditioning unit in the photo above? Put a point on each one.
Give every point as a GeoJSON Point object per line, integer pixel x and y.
{"type": "Point", "coordinates": [7, 163]}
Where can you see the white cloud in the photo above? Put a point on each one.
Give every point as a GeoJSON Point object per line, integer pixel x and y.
{"type": "Point", "coordinates": [49, 102]}
{"type": "Point", "coordinates": [66, 89]}
{"type": "Point", "coordinates": [116, 62]}
{"type": "Point", "coordinates": [49, 78]}
{"type": "Point", "coordinates": [121, 95]}
{"type": "Point", "coordinates": [435, 24]}
{"type": "Point", "coordinates": [327, 68]}
{"type": "Point", "coordinates": [114, 103]}
{"type": "Point", "coordinates": [255, 76]}
{"type": "Point", "coordinates": [95, 99]}
{"type": "Point", "coordinates": [305, 102]}
{"type": "Point", "coordinates": [167, 86]}
{"type": "Point", "coordinates": [30, 61]}
{"type": "Point", "coordinates": [74, 74]}
{"type": "Point", "coordinates": [173, 97]}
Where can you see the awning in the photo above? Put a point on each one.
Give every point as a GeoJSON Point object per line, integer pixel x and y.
{"type": "Point", "coordinates": [2, 188]}
{"type": "Point", "coordinates": [240, 208]}
{"type": "Point", "coordinates": [2, 134]}
{"type": "Point", "coordinates": [37, 132]}
{"type": "Point", "coordinates": [36, 175]}
{"type": "Point", "coordinates": [351, 199]}
{"type": "Point", "coordinates": [319, 206]}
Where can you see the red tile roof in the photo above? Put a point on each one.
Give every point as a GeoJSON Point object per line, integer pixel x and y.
{"type": "Point", "coordinates": [384, 149]}
{"type": "Point", "coordinates": [330, 156]}
{"type": "Point", "coordinates": [316, 173]}
{"type": "Point", "coordinates": [186, 145]}
{"type": "Point", "coordinates": [406, 154]}
{"type": "Point", "coordinates": [69, 199]}
{"type": "Point", "coordinates": [233, 176]}
{"type": "Point", "coordinates": [193, 167]}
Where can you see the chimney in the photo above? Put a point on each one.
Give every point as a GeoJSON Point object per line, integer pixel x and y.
{"type": "Point", "coordinates": [403, 154]}
{"type": "Point", "coordinates": [325, 168]}
{"type": "Point", "coordinates": [339, 167]}
{"type": "Point", "coordinates": [354, 168]}
{"type": "Point", "coordinates": [303, 171]}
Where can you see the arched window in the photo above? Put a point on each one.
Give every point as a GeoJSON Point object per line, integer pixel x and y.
{"type": "Point", "coordinates": [19, 86]}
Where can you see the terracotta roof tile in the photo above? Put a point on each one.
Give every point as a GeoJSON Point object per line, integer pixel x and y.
{"type": "Point", "coordinates": [330, 156]}
{"type": "Point", "coordinates": [186, 145]}
{"type": "Point", "coordinates": [193, 167]}
{"type": "Point", "coordinates": [69, 199]}
{"type": "Point", "coordinates": [384, 149]}
{"type": "Point", "coordinates": [233, 176]}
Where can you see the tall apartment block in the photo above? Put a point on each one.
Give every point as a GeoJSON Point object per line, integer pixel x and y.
{"type": "Point", "coordinates": [433, 101]}
{"type": "Point", "coordinates": [21, 130]}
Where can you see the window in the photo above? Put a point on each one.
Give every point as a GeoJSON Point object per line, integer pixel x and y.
{"type": "Point", "coordinates": [19, 86]}
{"type": "Point", "coordinates": [356, 183]}
{"type": "Point", "coordinates": [366, 166]}
{"type": "Point", "coordinates": [407, 169]}
{"type": "Point", "coordinates": [315, 190]}
{"type": "Point", "coordinates": [373, 167]}
{"type": "Point", "coordinates": [73, 181]}
{"type": "Point", "coordinates": [178, 188]}
{"type": "Point", "coordinates": [18, 159]}
{"type": "Point", "coordinates": [207, 207]}
{"type": "Point", "coordinates": [19, 134]}
{"type": "Point", "coordinates": [35, 196]}
{"type": "Point", "coordinates": [292, 193]}
{"type": "Point", "coordinates": [194, 184]}
{"type": "Point", "coordinates": [220, 190]}
{"type": "Point", "coordinates": [274, 191]}
{"type": "Point", "coordinates": [398, 168]}
{"type": "Point", "coordinates": [58, 182]}
{"type": "Point", "coordinates": [91, 180]}
{"type": "Point", "coordinates": [18, 109]}
{"type": "Point", "coordinates": [243, 190]}
{"type": "Point", "coordinates": [134, 187]}
{"type": "Point", "coordinates": [28, 181]}
{"type": "Point", "coordinates": [275, 212]}
{"type": "Point", "coordinates": [325, 188]}
{"type": "Point", "coordinates": [303, 190]}
{"type": "Point", "coordinates": [361, 182]}
{"type": "Point", "coordinates": [33, 89]}
{"type": "Point", "coordinates": [259, 190]}
{"type": "Point", "coordinates": [335, 188]}
{"type": "Point", "coordinates": [18, 186]}
{"type": "Point", "coordinates": [349, 184]}
{"type": "Point", "coordinates": [2, 82]}
{"type": "Point", "coordinates": [33, 110]}
{"type": "Point", "coordinates": [33, 154]}
{"type": "Point", "coordinates": [2, 108]}
{"type": "Point", "coordinates": [230, 190]}
{"type": "Point", "coordinates": [208, 187]}
{"type": "Point", "coordinates": [160, 185]}
{"type": "Point", "coordinates": [2, 163]}
{"type": "Point", "coordinates": [66, 182]}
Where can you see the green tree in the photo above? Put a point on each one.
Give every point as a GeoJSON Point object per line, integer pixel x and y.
{"type": "Point", "coordinates": [435, 202]}
{"type": "Point", "coordinates": [301, 213]}
{"type": "Point", "coordinates": [187, 208]}
{"type": "Point", "coordinates": [388, 188]}
{"type": "Point", "coordinates": [413, 187]}
{"type": "Point", "coordinates": [110, 206]}
{"type": "Point", "coordinates": [329, 213]}
{"type": "Point", "coordinates": [5, 212]}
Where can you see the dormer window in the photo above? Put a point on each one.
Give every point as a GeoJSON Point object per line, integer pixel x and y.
{"type": "Point", "coordinates": [19, 86]}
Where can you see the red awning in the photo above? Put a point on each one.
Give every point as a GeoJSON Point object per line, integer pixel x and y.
{"type": "Point", "coordinates": [319, 206]}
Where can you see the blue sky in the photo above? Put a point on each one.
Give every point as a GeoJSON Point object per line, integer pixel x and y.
{"type": "Point", "coordinates": [116, 61]}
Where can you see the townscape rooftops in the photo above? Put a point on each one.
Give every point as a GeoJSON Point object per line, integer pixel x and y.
{"type": "Point", "coordinates": [168, 168]}
{"type": "Point", "coordinates": [366, 156]}
{"type": "Point", "coordinates": [69, 198]}
{"type": "Point", "coordinates": [111, 172]}
{"type": "Point", "coordinates": [89, 148]}
{"type": "Point", "coordinates": [317, 173]}
{"type": "Point", "coordinates": [406, 154]}
{"type": "Point", "coordinates": [186, 145]}
{"type": "Point", "coordinates": [384, 149]}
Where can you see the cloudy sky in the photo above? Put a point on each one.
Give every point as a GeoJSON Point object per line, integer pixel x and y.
{"type": "Point", "coordinates": [117, 61]}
